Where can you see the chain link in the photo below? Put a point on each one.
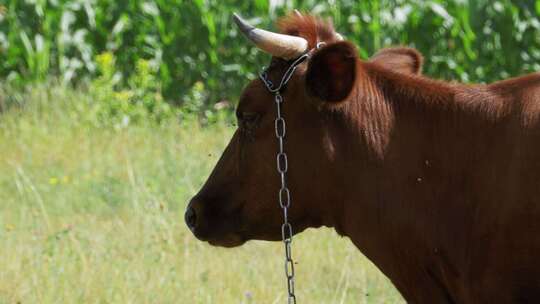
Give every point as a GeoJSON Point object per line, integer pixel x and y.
{"type": "Point", "coordinates": [284, 200]}
{"type": "Point", "coordinates": [282, 163]}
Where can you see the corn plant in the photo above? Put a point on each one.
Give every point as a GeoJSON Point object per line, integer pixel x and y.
{"type": "Point", "coordinates": [193, 43]}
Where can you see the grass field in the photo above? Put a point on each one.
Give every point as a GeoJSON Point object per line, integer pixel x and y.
{"type": "Point", "coordinates": [94, 215]}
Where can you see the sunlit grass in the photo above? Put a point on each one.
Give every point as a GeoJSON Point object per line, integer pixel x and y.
{"type": "Point", "coordinates": [93, 215]}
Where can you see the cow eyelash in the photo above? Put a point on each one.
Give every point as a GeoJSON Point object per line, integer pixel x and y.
{"type": "Point", "coordinates": [248, 119]}
{"type": "Point", "coordinates": [248, 122]}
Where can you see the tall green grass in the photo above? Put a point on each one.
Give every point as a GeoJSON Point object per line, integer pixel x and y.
{"type": "Point", "coordinates": [90, 214]}
{"type": "Point", "coordinates": [194, 42]}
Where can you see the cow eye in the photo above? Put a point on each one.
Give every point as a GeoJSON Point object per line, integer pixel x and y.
{"type": "Point", "coordinates": [248, 119]}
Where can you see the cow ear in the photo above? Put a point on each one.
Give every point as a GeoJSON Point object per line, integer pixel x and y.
{"type": "Point", "coordinates": [400, 59]}
{"type": "Point", "coordinates": [331, 72]}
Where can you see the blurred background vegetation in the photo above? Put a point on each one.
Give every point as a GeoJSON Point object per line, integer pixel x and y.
{"type": "Point", "coordinates": [191, 54]}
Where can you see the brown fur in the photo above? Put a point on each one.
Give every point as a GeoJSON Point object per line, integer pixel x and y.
{"type": "Point", "coordinates": [400, 59]}
{"type": "Point", "coordinates": [437, 183]}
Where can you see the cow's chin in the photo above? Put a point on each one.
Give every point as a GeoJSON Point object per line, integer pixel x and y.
{"type": "Point", "coordinates": [235, 240]}
{"type": "Point", "coordinates": [229, 241]}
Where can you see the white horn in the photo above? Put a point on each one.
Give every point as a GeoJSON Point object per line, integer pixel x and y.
{"type": "Point", "coordinates": [278, 45]}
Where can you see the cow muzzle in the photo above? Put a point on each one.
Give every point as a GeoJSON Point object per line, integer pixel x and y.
{"type": "Point", "coordinates": [193, 217]}
{"type": "Point", "coordinates": [190, 218]}
{"type": "Point", "coordinates": [210, 225]}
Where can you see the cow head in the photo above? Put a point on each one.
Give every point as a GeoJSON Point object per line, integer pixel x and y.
{"type": "Point", "coordinates": [239, 201]}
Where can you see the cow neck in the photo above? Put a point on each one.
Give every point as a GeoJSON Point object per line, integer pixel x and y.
{"type": "Point", "coordinates": [400, 118]}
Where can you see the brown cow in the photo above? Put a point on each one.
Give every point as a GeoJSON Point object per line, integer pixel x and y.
{"type": "Point", "coordinates": [437, 183]}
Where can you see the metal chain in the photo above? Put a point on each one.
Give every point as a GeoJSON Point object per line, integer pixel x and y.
{"type": "Point", "coordinates": [284, 195]}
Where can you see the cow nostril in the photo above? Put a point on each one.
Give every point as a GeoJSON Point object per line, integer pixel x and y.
{"type": "Point", "coordinates": [191, 218]}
